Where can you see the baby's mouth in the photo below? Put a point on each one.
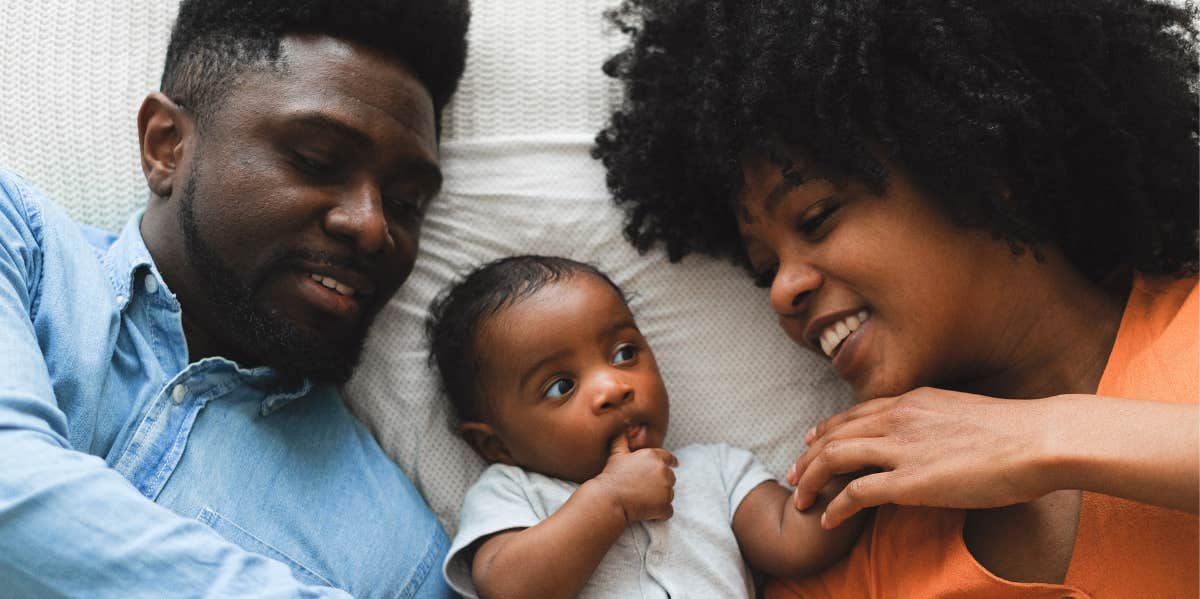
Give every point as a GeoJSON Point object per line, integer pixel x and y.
{"type": "Point", "coordinates": [637, 436]}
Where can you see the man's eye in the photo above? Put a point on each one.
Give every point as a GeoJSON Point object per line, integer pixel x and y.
{"type": "Point", "coordinates": [765, 277]}
{"type": "Point", "coordinates": [312, 165]}
{"type": "Point", "coordinates": [625, 353]}
{"type": "Point", "coordinates": [560, 388]}
{"type": "Point", "coordinates": [407, 207]}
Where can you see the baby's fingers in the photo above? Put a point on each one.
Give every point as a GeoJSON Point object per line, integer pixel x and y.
{"type": "Point", "coordinates": [619, 445]}
{"type": "Point", "coordinates": [667, 457]}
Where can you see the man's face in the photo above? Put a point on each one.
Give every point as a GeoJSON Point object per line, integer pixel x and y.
{"type": "Point", "coordinates": [299, 207]}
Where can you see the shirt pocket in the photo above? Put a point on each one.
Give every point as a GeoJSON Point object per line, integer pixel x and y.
{"type": "Point", "coordinates": [243, 538]}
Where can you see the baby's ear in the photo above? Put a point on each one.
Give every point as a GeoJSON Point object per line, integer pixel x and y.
{"type": "Point", "coordinates": [486, 442]}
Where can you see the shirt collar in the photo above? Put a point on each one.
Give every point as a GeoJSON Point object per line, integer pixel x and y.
{"type": "Point", "coordinates": [128, 255]}
{"type": "Point", "coordinates": [125, 257]}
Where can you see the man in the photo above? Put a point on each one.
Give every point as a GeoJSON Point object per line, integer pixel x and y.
{"type": "Point", "coordinates": [169, 420]}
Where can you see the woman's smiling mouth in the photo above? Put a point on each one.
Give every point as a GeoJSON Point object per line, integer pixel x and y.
{"type": "Point", "coordinates": [832, 336]}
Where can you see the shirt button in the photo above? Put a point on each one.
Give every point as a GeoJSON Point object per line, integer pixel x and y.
{"type": "Point", "coordinates": [120, 301]}
{"type": "Point", "coordinates": [178, 393]}
{"type": "Point", "coordinates": [151, 284]}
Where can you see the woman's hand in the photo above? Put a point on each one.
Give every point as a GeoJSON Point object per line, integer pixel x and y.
{"type": "Point", "coordinates": [929, 447]}
{"type": "Point", "coordinates": [941, 448]}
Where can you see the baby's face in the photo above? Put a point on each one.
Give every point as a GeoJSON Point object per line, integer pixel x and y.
{"type": "Point", "coordinates": [566, 371]}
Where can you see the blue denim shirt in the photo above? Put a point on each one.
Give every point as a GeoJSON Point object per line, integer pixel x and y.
{"type": "Point", "coordinates": [126, 471]}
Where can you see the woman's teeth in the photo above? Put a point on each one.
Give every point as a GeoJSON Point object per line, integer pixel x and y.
{"type": "Point", "coordinates": [837, 332]}
{"type": "Point", "coordinates": [332, 283]}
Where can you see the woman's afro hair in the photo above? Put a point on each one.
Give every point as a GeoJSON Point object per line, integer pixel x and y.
{"type": "Point", "coordinates": [1066, 122]}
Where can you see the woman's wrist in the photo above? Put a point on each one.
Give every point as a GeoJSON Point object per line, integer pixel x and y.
{"type": "Point", "coordinates": [1060, 457]}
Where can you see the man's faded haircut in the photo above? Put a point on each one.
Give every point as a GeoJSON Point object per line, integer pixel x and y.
{"type": "Point", "coordinates": [214, 41]}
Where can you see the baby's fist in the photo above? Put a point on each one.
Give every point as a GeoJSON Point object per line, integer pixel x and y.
{"type": "Point", "coordinates": [642, 482]}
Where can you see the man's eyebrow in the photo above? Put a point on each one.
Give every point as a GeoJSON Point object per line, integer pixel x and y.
{"type": "Point", "coordinates": [334, 126]}
{"type": "Point", "coordinates": [529, 372]}
{"type": "Point", "coordinates": [423, 169]}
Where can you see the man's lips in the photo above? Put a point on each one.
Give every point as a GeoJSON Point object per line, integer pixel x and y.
{"type": "Point", "coordinates": [330, 300]}
{"type": "Point", "coordinates": [345, 281]}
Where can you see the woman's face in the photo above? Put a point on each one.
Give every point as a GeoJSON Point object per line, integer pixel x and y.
{"type": "Point", "coordinates": [893, 292]}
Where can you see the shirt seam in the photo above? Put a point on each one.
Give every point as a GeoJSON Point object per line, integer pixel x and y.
{"type": "Point", "coordinates": [37, 225]}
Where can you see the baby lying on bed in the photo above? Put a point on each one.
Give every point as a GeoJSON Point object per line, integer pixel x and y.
{"type": "Point", "coordinates": [554, 385]}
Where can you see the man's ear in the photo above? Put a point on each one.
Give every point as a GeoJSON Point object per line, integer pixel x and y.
{"type": "Point", "coordinates": [162, 129]}
{"type": "Point", "coordinates": [484, 440]}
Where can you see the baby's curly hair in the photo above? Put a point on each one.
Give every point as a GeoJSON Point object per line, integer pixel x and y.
{"type": "Point", "coordinates": [459, 313]}
{"type": "Point", "coordinates": [1066, 122]}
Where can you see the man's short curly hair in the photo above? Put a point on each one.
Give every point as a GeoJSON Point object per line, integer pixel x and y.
{"type": "Point", "coordinates": [1066, 122]}
{"type": "Point", "coordinates": [215, 40]}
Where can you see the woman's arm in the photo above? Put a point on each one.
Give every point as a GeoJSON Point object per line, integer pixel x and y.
{"type": "Point", "coordinates": [948, 449]}
{"type": "Point", "coordinates": [780, 540]}
{"type": "Point", "coordinates": [556, 557]}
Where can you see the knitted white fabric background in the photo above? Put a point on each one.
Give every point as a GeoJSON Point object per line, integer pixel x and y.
{"type": "Point", "coordinates": [72, 76]}
{"type": "Point", "coordinates": [518, 179]}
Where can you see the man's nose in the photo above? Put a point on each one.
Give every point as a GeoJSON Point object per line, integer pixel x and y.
{"type": "Point", "coordinates": [793, 285]}
{"type": "Point", "coordinates": [611, 391]}
{"type": "Point", "coordinates": [358, 217]}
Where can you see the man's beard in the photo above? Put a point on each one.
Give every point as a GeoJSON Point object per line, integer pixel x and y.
{"type": "Point", "coordinates": [264, 335]}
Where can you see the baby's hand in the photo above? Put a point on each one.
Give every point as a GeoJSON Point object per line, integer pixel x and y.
{"type": "Point", "coordinates": [642, 482]}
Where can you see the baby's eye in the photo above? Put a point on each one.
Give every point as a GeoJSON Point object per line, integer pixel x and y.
{"type": "Point", "coordinates": [560, 388]}
{"type": "Point", "coordinates": [625, 353]}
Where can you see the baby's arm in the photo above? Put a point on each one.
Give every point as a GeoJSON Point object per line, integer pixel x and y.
{"type": "Point", "coordinates": [782, 541]}
{"type": "Point", "coordinates": [556, 557]}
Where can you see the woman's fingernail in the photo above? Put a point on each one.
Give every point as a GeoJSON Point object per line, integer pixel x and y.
{"type": "Point", "coordinates": [791, 475]}
{"type": "Point", "coordinates": [810, 435]}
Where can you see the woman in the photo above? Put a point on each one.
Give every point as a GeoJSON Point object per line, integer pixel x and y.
{"type": "Point", "coordinates": [985, 214]}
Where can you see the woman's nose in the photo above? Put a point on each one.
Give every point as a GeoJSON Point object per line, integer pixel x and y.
{"type": "Point", "coordinates": [611, 392]}
{"type": "Point", "coordinates": [359, 218]}
{"type": "Point", "coordinates": [793, 285]}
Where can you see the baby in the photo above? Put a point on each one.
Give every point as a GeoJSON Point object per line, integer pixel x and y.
{"type": "Point", "coordinates": [555, 387]}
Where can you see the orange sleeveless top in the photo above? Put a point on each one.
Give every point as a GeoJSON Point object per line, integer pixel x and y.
{"type": "Point", "coordinates": [1122, 548]}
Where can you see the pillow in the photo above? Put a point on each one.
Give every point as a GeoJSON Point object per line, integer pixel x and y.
{"type": "Point", "coordinates": [519, 179]}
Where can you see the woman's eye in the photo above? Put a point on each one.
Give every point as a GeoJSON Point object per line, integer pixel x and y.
{"type": "Point", "coordinates": [560, 388]}
{"type": "Point", "coordinates": [625, 353]}
{"type": "Point", "coordinates": [765, 277]}
{"type": "Point", "coordinates": [812, 224]}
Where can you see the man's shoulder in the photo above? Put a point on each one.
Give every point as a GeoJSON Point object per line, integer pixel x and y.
{"type": "Point", "coordinates": [20, 203]}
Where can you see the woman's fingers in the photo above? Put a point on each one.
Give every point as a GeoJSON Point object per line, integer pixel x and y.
{"type": "Point", "coordinates": [869, 425]}
{"type": "Point", "coordinates": [861, 493]}
{"type": "Point", "coordinates": [841, 456]}
{"type": "Point", "coordinates": [866, 408]}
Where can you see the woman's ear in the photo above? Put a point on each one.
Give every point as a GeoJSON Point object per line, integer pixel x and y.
{"type": "Point", "coordinates": [486, 442]}
{"type": "Point", "coordinates": [162, 129]}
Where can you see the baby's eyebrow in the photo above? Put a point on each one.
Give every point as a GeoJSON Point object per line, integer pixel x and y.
{"type": "Point", "coordinates": [529, 372]}
{"type": "Point", "coordinates": [620, 326]}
